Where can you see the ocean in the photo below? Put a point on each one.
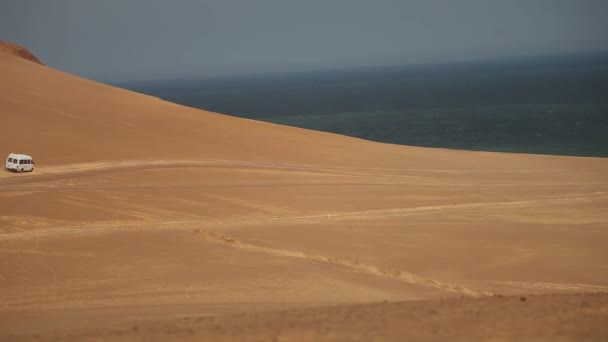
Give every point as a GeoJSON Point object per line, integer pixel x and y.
{"type": "Point", "coordinates": [542, 105]}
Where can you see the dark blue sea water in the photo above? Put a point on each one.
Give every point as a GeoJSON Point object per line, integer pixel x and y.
{"type": "Point", "coordinates": [550, 105]}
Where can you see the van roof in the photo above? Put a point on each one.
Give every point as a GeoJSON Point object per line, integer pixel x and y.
{"type": "Point", "coordinates": [19, 156]}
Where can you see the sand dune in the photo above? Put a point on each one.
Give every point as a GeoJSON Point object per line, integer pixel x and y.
{"type": "Point", "coordinates": [556, 318]}
{"type": "Point", "coordinates": [140, 211]}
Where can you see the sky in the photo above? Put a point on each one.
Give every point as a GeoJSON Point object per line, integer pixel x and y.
{"type": "Point", "coordinates": [123, 40]}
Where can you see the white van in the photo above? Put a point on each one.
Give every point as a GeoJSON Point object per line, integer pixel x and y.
{"type": "Point", "coordinates": [19, 162]}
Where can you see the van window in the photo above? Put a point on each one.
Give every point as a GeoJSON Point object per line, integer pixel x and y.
{"type": "Point", "coordinates": [29, 162]}
{"type": "Point", "coordinates": [10, 160]}
{"type": "Point", "coordinates": [21, 162]}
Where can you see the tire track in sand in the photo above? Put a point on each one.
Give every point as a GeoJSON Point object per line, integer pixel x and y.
{"type": "Point", "coordinates": [410, 278]}
{"type": "Point", "coordinates": [69, 171]}
{"type": "Point", "coordinates": [358, 215]}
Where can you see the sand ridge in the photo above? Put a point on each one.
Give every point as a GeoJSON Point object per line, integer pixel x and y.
{"type": "Point", "coordinates": [19, 51]}
{"type": "Point", "coordinates": [581, 318]}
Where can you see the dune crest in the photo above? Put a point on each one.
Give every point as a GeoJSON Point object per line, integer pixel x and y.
{"type": "Point", "coordinates": [20, 51]}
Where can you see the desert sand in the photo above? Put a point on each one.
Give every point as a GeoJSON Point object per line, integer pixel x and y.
{"type": "Point", "coordinates": [149, 220]}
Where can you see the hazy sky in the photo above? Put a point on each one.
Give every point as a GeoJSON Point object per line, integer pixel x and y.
{"type": "Point", "coordinates": [115, 40]}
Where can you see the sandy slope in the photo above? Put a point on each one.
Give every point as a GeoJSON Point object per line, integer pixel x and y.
{"type": "Point", "coordinates": [140, 210]}
{"type": "Point", "coordinates": [563, 317]}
